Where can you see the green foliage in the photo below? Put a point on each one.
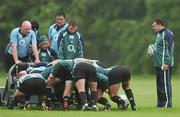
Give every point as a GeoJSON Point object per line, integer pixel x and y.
{"type": "Point", "coordinates": [117, 32]}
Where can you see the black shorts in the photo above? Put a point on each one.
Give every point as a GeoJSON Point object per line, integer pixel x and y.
{"type": "Point", "coordinates": [85, 70]}
{"type": "Point", "coordinates": [34, 86]}
{"type": "Point", "coordinates": [64, 74]}
{"type": "Point", "coordinates": [118, 75]}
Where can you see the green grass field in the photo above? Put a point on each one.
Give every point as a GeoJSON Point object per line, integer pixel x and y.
{"type": "Point", "coordinates": [3, 77]}
{"type": "Point", "coordinates": [145, 96]}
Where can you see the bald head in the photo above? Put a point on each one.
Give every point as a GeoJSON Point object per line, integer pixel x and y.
{"type": "Point", "coordinates": [25, 27]}
{"type": "Point", "coordinates": [26, 24]}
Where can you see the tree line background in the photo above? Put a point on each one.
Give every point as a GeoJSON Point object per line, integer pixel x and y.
{"type": "Point", "coordinates": [116, 32]}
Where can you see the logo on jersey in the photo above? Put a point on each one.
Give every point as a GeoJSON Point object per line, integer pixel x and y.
{"type": "Point", "coordinates": [55, 37]}
{"type": "Point", "coordinates": [43, 54]}
{"type": "Point", "coordinates": [71, 48]}
{"type": "Point", "coordinates": [71, 37]}
{"type": "Point", "coordinates": [22, 42]}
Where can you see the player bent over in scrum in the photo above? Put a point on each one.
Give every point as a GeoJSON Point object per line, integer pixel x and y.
{"type": "Point", "coordinates": [111, 79]}
{"type": "Point", "coordinates": [86, 73]}
{"type": "Point", "coordinates": [61, 76]}
{"type": "Point", "coordinates": [82, 73]}
{"type": "Point", "coordinates": [30, 84]}
{"type": "Point", "coordinates": [116, 77]}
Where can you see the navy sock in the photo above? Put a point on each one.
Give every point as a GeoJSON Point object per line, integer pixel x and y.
{"type": "Point", "coordinates": [83, 97]}
{"type": "Point", "coordinates": [130, 97]}
{"type": "Point", "coordinates": [20, 99]}
{"type": "Point", "coordinates": [117, 100]}
{"type": "Point", "coordinates": [93, 97]}
{"type": "Point", "coordinates": [103, 101]}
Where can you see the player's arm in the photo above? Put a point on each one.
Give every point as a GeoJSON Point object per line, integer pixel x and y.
{"type": "Point", "coordinates": [35, 52]}
{"type": "Point", "coordinates": [50, 36]}
{"type": "Point", "coordinates": [61, 49]}
{"type": "Point", "coordinates": [13, 41]}
{"type": "Point", "coordinates": [34, 47]}
{"type": "Point", "coordinates": [167, 47]}
{"type": "Point", "coordinates": [14, 53]}
{"type": "Point", "coordinates": [84, 60]}
{"type": "Point", "coordinates": [102, 81]}
{"type": "Point", "coordinates": [80, 50]}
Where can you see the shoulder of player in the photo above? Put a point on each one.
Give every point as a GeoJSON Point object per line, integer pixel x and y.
{"type": "Point", "coordinates": [15, 30]}
{"type": "Point", "coordinates": [52, 26]}
{"type": "Point", "coordinates": [78, 33]}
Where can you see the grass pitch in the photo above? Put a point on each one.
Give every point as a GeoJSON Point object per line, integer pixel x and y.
{"type": "Point", "coordinates": [144, 89]}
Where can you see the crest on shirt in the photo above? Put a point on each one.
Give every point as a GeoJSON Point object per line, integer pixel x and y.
{"type": "Point", "coordinates": [22, 42]}
{"type": "Point", "coordinates": [43, 54]}
{"type": "Point", "coordinates": [55, 37]}
{"type": "Point", "coordinates": [71, 37]}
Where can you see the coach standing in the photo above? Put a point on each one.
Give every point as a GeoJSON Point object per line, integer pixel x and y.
{"type": "Point", "coordinates": [71, 43]}
{"type": "Point", "coordinates": [162, 51]}
{"type": "Point", "coordinates": [20, 40]}
{"type": "Point", "coordinates": [56, 29]}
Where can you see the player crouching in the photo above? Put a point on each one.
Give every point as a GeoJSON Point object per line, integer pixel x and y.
{"type": "Point", "coordinates": [30, 84]}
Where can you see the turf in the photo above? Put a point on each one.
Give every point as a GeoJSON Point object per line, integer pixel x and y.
{"type": "Point", "coordinates": [145, 95]}
{"type": "Point", "coordinates": [3, 77]}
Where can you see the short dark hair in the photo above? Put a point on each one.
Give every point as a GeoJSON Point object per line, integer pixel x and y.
{"type": "Point", "coordinates": [35, 25]}
{"type": "Point", "coordinates": [73, 23]}
{"type": "Point", "coordinates": [159, 21]}
{"type": "Point", "coordinates": [61, 13]}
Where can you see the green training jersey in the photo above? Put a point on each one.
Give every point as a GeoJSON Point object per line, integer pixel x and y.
{"type": "Point", "coordinates": [63, 65]}
{"type": "Point", "coordinates": [164, 48]}
{"type": "Point", "coordinates": [46, 72]}
{"type": "Point", "coordinates": [102, 78]}
{"type": "Point", "coordinates": [70, 46]}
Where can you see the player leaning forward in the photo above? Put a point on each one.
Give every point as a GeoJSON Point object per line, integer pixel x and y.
{"type": "Point", "coordinates": [82, 73]}
{"type": "Point", "coordinates": [110, 79]}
